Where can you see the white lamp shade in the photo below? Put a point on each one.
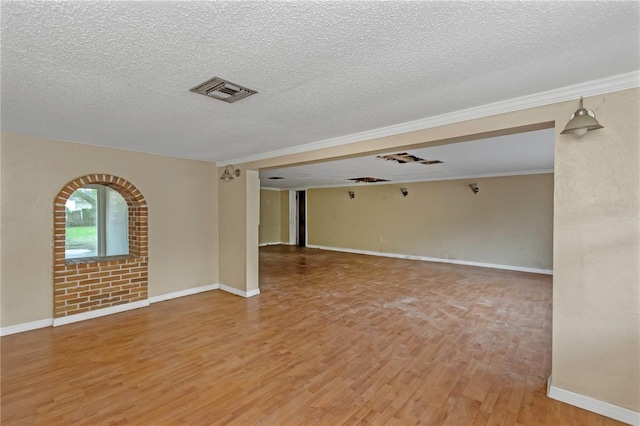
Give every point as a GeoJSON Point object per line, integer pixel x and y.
{"type": "Point", "coordinates": [582, 121]}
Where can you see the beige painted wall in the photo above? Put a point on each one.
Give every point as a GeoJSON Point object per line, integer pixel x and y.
{"type": "Point", "coordinates": [270, 216]}
{"type": "Point", "coordinates": [1, 203]}
{"type": "Point", "coordinates": [509, 222]}
{"type": "Point", "coordinates": [274, 216]}
{"type": "Point", "coordinates": [181, 195]}
{"type": "Point", "coordinates": [252, 219]}
{"type": "Point", "coordinates": [596, 297]}
{"type": "Point", "coordinates": [284, 216]}
{"type": "Point", "coordinates": [596, 243]}
{"type": "Point", "coordinates": [232, 228]}
{"type": "Point", "coordinates": [239, 218]}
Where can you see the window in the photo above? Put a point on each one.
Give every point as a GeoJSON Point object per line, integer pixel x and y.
{"type": "Point", "coordinates": [96, 223]}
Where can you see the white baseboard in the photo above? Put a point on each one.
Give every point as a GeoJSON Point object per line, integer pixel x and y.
{"type": "Point", "coordinates": [240, 293]}
{"type": "Point", "coordinates": [594, 405]}
{"type": "Point", "coordinates": [182, 293]}
{"type": "Point", "coordinates": [279, 243]}
{"type": "Point", "coordinates": [436, 259]}
{"type": "Point", "coordinates": [99, 313]}
{"type": "Point", "coordinates": [27, 326]}
{"type": "Point", "coordinates": [55, 322]}
{"type": "Point", "coordinates": [254, 292]}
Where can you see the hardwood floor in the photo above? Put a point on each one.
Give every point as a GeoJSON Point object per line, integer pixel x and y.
{"type": "Point", "coordinates": [333, 339]}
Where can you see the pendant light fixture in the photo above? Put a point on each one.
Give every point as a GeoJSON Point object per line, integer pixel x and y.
{"type": "Point", "coordinates": [581, 122]}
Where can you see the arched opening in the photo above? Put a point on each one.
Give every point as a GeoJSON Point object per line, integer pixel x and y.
{"type": "Point", "coordinates": [110, 267]}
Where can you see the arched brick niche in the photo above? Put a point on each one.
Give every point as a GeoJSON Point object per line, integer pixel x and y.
{"type": "Point", "coordinates": [82, 285]}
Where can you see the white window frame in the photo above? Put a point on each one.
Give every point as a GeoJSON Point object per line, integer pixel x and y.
{"type": "Point", "coordinates": [101, 223]}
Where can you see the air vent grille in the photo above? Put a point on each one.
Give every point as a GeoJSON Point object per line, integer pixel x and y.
{"type": "Point", "coordinates": [222, 90]}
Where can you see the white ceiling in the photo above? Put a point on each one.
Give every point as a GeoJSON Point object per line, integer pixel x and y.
{"type": "Point", "coordinates": [118, 73]}
{"type": "Point", "coordinates": [522, 153]}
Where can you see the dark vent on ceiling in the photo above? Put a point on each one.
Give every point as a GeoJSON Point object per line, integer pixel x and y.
{"type": "Point", "coordinates": [403, 158]}
{"type": "Point", "coordinates": [223, 90]}
{"type": "Point", "coordinates": [276, 178]}
{"type": "Point", "coordinates": [367, 180]}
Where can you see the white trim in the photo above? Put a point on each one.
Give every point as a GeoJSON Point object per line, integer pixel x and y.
{"type": "Point", "coordinates": [182, 293]}
{"type": "Point", "coordinates": [594, 405]}
{"type": "Point", "coordinates": [306, 218]}
{"type": "Point", "coordinates": [240, 293]}
{"type": "Point", "coordinates": [55, 322]}
{"type": "Point", "coordinates": [26, 326]}
{"type": "Point", "coordinates": [292, 217]}
{"type": "Point", "coordinates": [590, 88]}
{"type": "Point", "coordinates": [275, 243]}
{"type": "Point", "coordinates": [99, 313]}
{"type": "Point", "coordinates": [254, 292]}
{"type": "Point", "coordinates": [436, 259]}
{"type": "Point", "coordinates": [272, 189]}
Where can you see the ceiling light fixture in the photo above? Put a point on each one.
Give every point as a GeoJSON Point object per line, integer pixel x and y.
{"type": "Point", "coordinates": [229, 173]}
{"type": "Point", "coordinates": [581, 122]}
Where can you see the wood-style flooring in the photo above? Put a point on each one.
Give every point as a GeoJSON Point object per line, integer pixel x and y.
{"type": "Point", "coordinates": [333, 339]}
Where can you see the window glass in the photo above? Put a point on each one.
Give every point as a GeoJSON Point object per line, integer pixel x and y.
{"type": "Point", "coordinates": [81, 236]}
{"type": "Point", "coordinates": [116, 223]}
{"type": "Point", "coordinates": [96, 223]}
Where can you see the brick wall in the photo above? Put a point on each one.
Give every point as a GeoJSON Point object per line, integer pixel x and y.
{"type": "Point", "coordinates": [87, 284]}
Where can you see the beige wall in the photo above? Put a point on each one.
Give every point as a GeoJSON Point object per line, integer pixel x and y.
{"type": "Point", "coordinates": [239, 218]}
{"type": "Point", "coordinates": [509, 222]}
{"type": "Point", "coordinates": [252, 220]}
{"type": "Point", "coordinates": [232, 228]}
{"type": "Point", "coordinates": [596, 242]}
{"type": "Point", "coordinates": [270, 216]}
{"type": "Point", "coordinates": [596, 292]}
{"type": "Point", "coordinates": [181, 195]}
{"type": "Point", "coordinates": [274, 216]}
{"type": "Point", "coordinates": [284, 216]}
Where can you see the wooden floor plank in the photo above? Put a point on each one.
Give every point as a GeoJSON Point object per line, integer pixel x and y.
{"type": "Point", "coordinates": [332, 339]}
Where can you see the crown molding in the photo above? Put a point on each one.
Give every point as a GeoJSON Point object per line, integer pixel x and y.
{"type": "Point", "coordinates": [590, 88]}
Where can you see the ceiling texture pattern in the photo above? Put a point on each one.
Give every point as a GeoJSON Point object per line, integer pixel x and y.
{"type": "Point", "coordinates": [118, 74]}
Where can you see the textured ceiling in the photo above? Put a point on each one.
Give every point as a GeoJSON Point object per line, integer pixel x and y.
{"type": "Point", "coordinates": [118, 73]}
{"type": "Point", "coordinates": [522, 153]}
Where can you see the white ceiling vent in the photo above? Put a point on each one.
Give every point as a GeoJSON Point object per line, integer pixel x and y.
{"type": "Point", "coordinates": [223, 90]}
